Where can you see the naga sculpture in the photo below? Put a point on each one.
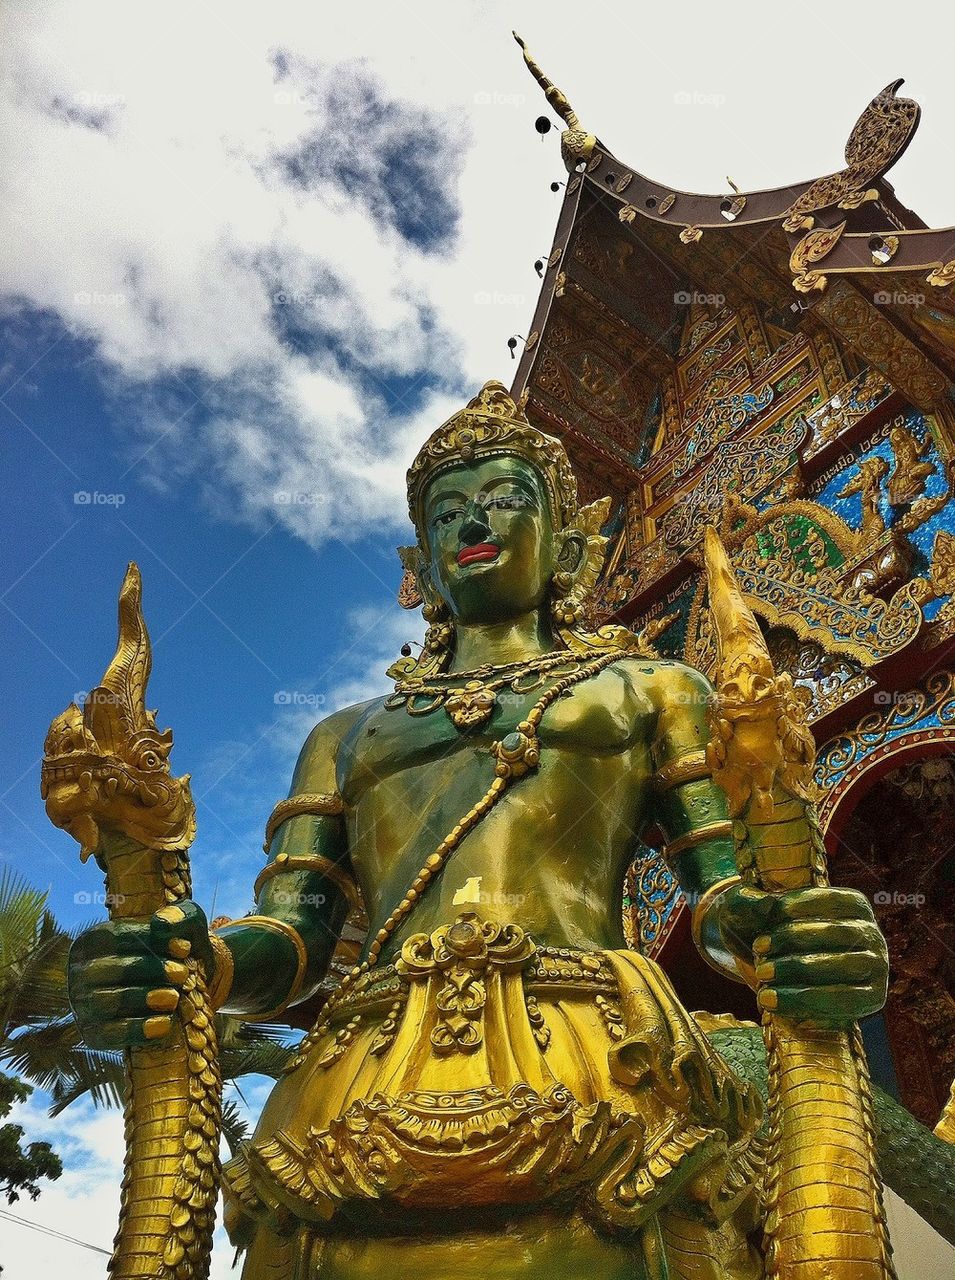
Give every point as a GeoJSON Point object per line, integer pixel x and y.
{"type": "Point", "coordinates": [497, 1086]}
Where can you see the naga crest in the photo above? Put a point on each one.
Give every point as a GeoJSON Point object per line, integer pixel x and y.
{"type": "Point", "coordinates": [759, 720]}
{"type": "Point", "coordinates": [106, 765]}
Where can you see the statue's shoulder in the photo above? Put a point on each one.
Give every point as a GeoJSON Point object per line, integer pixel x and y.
{"type": "Point", "coordinates": [665, 680]}
{"type": "Point", "coordinates": [317, 760]}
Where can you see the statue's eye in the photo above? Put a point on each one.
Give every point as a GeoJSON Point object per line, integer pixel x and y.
{"type": "Point", "coordinates": [444, 517]}
{"type": "Point", "coordinates": [509, 502]}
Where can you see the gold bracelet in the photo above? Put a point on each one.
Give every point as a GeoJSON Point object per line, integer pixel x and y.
{"type": "Point", "coordinates": [279, 926]}
{"type": "Point", "coordinates": [690, 767]}
{"type": "Point", "coordinates": [330, 804]}
{"type": "Point", "coordinates": [740, 970]}
{"type": "Point", "coordinates": [224, 973]}
{"type": "Point", "coordinates": [310, 862]}
{"type": "Point", "coordinates": [712, 831]}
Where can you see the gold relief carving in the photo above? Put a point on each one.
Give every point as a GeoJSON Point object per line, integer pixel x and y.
{"type": "Point", "coordinates": [531, 342]}
{"type": "Point", "coordinates": [555, 257]}
{"type": "Point", "coordinates": [690, 235]}
{"type": "Point", "coordinates": [933, 699]}
{"type": "Point", "coordinates": [878, 138]}
{"type": "Point", "coordinates": [320, 805]}
{"type": "Point", "coordinates": [943, 564]}
{"type": "Point", "coordinates": [627, 213]}
{"type": "Point", "coordinates": [910, 471]}
{"type": "Point", "coordinates": [849, 405]}
{"type": "Point", "coordinates": [573, 184]}
{"type": "Point", "coordinates": [867, 484]}
{"type": "Point", "coordinates": [812, 248]}
{"type": "Point", "coordinates": [942, 275]}
{"type": "Point", "coordinates": [460, 953]}
{"type": "Point", "coordinates": [744, 467]}
{"type": "Point", "coordinates": [818, 606]}
{"type": "Point", "coordinates": [666, 204]}
{"type": "Point", "coordinates": [595, 161]}
{"type": "Point", "coordinates": [622, 183]}
{"type": "Point", "coordinates": [877, 341]}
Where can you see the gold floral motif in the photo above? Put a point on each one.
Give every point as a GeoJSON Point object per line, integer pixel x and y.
{"type": "Point", "coordinates": [812, 248]}
{"type": "Point", "coordinates": [690, 235]}
{"type": "Point", "coordinates": [461, 953]}
{"type": "Point", "coordinates": [666, 204]}
{"type": "Point", "coordinates": [942, 275]}
{"type": "Point", "coordinates": [880, 344]}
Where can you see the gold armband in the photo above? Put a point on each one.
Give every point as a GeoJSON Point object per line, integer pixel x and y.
{"type": "Point", "coordinates": [712, 831]}
{"type": "Point", "coordinates": [224, 974]}
{"type": "Point", "coordinates": [310, 862]}
{"type": "Point", "coordinates": [736, 969]}
{"type": "Point", "coordinates": [279, 926]}
{"type": "Point", "coordinates": [331, 804]}
{"type": "Point", "coordinates": [690, 767]}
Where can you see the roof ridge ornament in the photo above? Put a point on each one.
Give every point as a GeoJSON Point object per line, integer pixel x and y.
{"type": "Point", "coordinates": [576, 144]}
{"type": "Point", "coordinates": [877, 140]}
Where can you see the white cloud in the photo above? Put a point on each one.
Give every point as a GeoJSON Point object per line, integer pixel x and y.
{"type": "Point", "coordinates": [165, 182]}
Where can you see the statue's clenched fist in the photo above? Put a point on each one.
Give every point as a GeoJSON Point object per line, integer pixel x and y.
{"type": "Point", "coordinates": [125, 976]}
{"type": "Point", "coordinates": [819, 954]}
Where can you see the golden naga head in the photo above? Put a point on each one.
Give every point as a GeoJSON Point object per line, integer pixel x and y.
{"type": "Point", "coordinates": [106, 766]}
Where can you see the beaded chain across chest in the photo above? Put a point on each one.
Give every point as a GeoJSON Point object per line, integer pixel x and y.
{"type": "Point", "coordinates": [469, 697]}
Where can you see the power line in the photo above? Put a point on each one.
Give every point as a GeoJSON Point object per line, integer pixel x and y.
{"type": "Point", "coordinates": [49, 1231]}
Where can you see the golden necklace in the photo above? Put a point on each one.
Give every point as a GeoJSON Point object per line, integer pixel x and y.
{"type": "Point", "coordinates": [469, 697]}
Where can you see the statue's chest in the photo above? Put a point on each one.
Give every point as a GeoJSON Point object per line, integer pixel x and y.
{"type": "Point", "coordinates": [597, 717]}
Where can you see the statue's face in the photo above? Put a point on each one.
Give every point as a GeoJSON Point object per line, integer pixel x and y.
{"type": "Point", "coordinates": [489, 539]}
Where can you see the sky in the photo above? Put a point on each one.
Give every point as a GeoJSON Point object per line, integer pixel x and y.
{"type": "Point", "coordinates": [251, 256]}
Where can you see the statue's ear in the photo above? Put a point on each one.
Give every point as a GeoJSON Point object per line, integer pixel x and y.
{"type": "Point", "coordinates": [571, 552]}
{"type": "Point", "coordinates": [409, 592]}
{"type": "Point", "coordinates": [417, 587]}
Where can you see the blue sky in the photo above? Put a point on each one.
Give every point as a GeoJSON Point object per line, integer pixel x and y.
{"type": "Point", "coordinates": [251, 257]}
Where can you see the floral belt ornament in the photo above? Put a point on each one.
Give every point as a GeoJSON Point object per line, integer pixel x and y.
{"type": "Point", "coordinates": [462, 952]}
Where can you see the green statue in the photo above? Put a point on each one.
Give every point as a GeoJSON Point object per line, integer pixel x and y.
{"type": "Point", "coordinates": [499, 1086]}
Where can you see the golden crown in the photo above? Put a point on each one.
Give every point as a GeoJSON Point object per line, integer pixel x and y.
{"type": "Point", "coordinates": [492, 423]}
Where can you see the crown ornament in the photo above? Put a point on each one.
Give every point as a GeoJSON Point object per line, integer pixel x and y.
{"type": "Point", "coordinates": [493, 423]}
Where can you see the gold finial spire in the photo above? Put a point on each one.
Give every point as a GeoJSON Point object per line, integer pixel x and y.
{"type": "Point", "coordinates": [576, 144]}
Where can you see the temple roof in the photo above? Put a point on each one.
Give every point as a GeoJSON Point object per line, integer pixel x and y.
{"type": "Point", "coordinates": [632, 258]}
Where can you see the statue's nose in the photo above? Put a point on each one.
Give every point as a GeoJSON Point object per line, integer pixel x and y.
{"type": "Point", "coordinates": [474, 526]}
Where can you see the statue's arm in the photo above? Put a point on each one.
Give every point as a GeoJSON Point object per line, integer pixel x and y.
{"type": "Point", "coordinates": [278, 956]}
{"type": "Point", "coordinates": [689, 807]}
{"type": "Point", "coordinates": [813, 952]}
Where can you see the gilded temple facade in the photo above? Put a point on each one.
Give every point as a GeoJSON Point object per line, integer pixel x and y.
{"type": "Point", "coordinates": [780, 364]}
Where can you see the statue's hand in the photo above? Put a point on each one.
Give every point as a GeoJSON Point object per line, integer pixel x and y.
{"type": "Point", "coordinates": [125, 975]}
{"type": "Point", "coordinates": [819, 953]}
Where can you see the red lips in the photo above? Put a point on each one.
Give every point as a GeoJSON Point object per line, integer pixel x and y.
{"type": "Point", "coordinates": [479, 551]}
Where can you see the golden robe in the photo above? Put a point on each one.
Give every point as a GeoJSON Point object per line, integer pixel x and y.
{"type": "Point", "coordinates": [483, 1072]}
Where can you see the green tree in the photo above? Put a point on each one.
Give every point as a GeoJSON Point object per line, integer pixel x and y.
{"type": "Point", "coordinates": [21, 1167]}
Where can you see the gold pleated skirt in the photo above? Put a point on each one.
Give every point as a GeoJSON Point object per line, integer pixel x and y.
{"type": "Point", "coordinates": [483, 1071]}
